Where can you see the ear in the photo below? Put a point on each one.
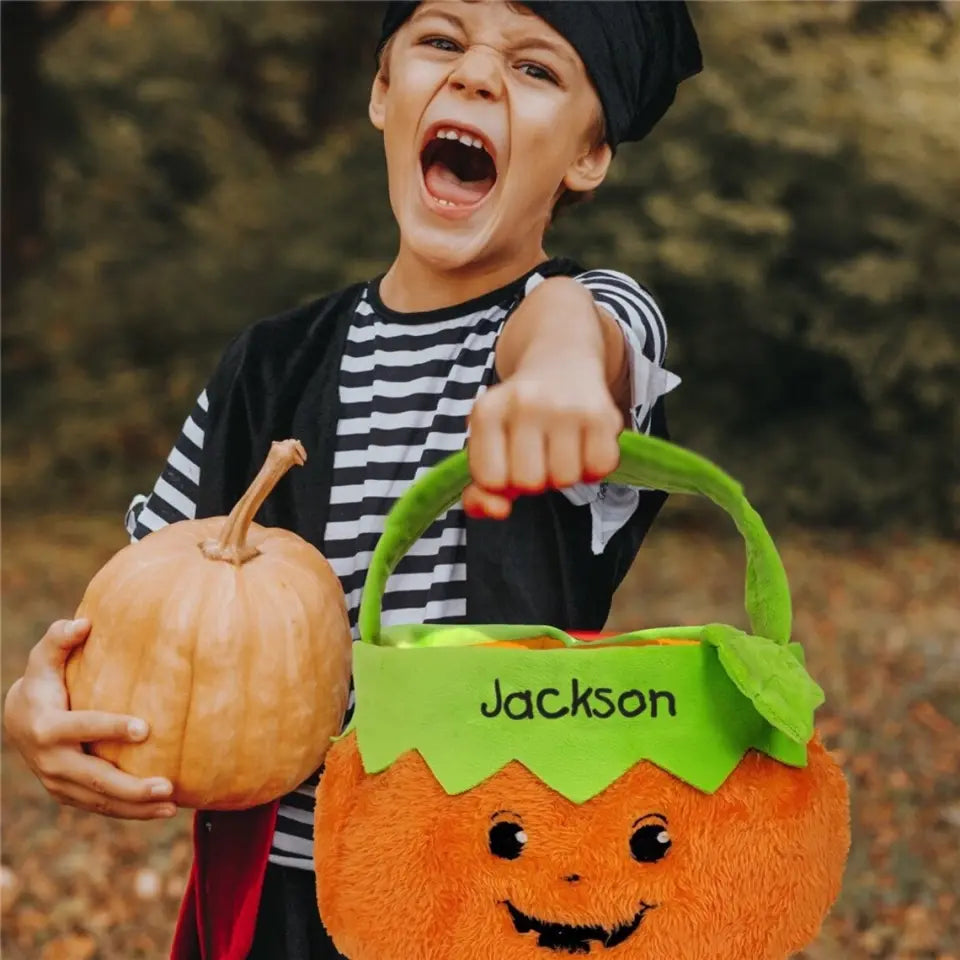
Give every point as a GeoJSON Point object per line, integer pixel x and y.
{"type": "Point", "coordinates": [377, 110]}
{"type": "Point", "coordinates": [588, 171]}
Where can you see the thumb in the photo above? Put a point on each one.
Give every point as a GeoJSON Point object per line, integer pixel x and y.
{"type": "Point", "coordinates": [54, 649]}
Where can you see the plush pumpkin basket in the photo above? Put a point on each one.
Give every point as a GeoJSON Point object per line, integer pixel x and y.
{"type": "Point", "coordinates": [505, 792]}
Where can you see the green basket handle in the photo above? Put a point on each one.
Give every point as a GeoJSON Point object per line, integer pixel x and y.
{"type": "Point", "coordinates": [644, 462]}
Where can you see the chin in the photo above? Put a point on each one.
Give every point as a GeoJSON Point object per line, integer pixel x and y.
{"type": "Point", "coordinates": [447, 241]}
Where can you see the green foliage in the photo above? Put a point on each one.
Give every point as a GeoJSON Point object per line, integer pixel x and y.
{"type": "Point", "coordinates": [797, 214]}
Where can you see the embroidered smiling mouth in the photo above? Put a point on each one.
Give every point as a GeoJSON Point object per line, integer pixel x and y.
{"type": "Point", "coordinates": [574, 939]}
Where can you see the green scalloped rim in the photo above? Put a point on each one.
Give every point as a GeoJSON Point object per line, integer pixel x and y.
{"type": "Point", "coordinates": [726, 696]}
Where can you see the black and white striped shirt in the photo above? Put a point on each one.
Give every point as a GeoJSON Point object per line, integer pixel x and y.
{"type": "Point", "coordinates": [407, 383]}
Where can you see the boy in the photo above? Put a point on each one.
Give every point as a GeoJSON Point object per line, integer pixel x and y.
{"type": "Point", "coordinates": [491, 114]}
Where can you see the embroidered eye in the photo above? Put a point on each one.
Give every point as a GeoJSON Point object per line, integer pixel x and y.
{"type": "Point", "coordinates": [507, 840]}
{"type": "Point", "coordinates": [650, 843]}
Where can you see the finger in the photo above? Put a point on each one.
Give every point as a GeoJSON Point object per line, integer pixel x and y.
{"type": "Point", "coordinates": [104, 778]}
{"type": "Point", "coordinates": [78, 795]}
{"type": "Point", "coordinates": [88, 726]}
{"type": "Point", "coordinates": [565, 457]}
{"type": "Point", "coordinates": [528, 457]}
{"type": "Point", "coordinates": [480, 504]}
{"type": "Point", "coordinates": [487, 443]}
{"type": "Point", "coordinates": [56, 645]}
{"type": "Point", "coordinates": [601, 451]}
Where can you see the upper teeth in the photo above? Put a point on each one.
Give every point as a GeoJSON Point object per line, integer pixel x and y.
{"type": "Point", "coordinates": [448, 133]}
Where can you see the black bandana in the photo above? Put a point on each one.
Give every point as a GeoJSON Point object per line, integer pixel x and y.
{"type": "Point", "coordinates": [636, 52]}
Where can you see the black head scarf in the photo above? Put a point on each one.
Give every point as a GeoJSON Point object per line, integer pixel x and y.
{"type": "Point", "coordinates": [636, 52]}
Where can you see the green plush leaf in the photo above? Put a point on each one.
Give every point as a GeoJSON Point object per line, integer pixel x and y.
{"type": "Point", "coordinates": [770, 676]}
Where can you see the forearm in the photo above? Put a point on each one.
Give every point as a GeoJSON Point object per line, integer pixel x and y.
{"type": "Point", "coordinates": [560, 324]}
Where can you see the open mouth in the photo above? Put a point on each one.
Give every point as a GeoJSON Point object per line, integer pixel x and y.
{"type": "Point", "coordinates": [574, 939]}
{"type": "Point", "coordinates": [458, 168]}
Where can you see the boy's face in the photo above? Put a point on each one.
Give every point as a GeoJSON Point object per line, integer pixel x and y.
{"type": "Point", "coordinates": [487, 113]}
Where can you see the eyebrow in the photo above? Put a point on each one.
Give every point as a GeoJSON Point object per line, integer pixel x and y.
{"type": "Point", "coordinates": [647, 816]}
{"type": "Point", "coordinates": [423, 13]}
{"type": "Point", "coordinates": [493, 816]}
{"type": "Point", "coordinates": [533, 43]}
{"type": "Point", "coordinates": [537, 43]}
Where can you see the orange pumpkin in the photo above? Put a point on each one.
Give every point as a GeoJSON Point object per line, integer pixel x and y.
{"type": "Point", "coordinates": [231, 640]}
{"type": "Point", "coordinates": [650, 869]}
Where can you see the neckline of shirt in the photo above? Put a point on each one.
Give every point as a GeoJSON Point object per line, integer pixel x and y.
{"type": "Point", "coordinates": [483, 302]}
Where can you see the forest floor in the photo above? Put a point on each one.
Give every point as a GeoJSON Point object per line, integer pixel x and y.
{"type": "Point", "coordinates": [878, 617]}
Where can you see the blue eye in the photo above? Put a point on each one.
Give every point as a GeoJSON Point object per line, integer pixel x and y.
{"type": "Point", "coordinates": [538, 73]}
{"type": "Point", "coordinates": [441, 43]}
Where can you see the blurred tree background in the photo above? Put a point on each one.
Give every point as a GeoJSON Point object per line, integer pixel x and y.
{"type": "Point", "coordinates": [173, 171]}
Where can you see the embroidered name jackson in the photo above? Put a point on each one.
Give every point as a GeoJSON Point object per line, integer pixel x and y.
{"type": "Point", "coordinates": [594, 702]}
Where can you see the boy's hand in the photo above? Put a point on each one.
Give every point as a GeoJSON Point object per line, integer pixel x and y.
{"type": "Point", "coordinates": [50, 736]}
{"type": "Point", "coordinates": [555, 419]}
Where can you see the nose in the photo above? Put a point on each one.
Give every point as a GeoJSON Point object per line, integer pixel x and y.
{"type": "Point", "coordinates": [571, 877]}
{"type": "Point", "coordinates": [478, 74]}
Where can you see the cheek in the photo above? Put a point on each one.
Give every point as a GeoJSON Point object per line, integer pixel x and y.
{"type": "Point", "coordinates": [551, 125]}
{"type": "Point", "coordinates": [411, 89]}
{"type": "Point", "coordinates": [543, 137]}
{"type": "Point", "coordinates": [412, 86]}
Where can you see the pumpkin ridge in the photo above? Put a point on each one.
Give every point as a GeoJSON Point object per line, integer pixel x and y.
{"type": "Point", "coordinates": [270, 602]}
{"type": "Point", "coordinates": [254, 610]}
{"type": "Point", "coordinates": [289, 728]}
{"type": "Point", "coordinates": [194, 639]}
{"type": "Point", "coordinates": [288, 721]}
{"type": "Point", "coordinates": [135, 675]}
{"type": "Point", "coordinates": [114, 595]}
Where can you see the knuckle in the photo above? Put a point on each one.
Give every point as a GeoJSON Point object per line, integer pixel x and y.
{"type": "Point", "coordinates": [529, 401]}
{"type": "Point", "coordinates": [46, 766]}
{"type": "Point", "coordinates": [564, 477]}
{"type": "Point", "coordinates": [48, 783]}
{"type": "Point", "coordinates": [35, 658]}
{"type": "Point", "coordinates": [606, 465]}
{"type": "Point", "coordinates": [599, 414]}
{"type": "Point", "coordinates": [56, 631]}
{"type": "Point", "coordinates": [11, 704]}
{"type": "Point", "coordinates": [484, 413]}
{"type": "Point", "coordinates": [484, 471]}
{"type": "Point", "coordinates": [42, 732]}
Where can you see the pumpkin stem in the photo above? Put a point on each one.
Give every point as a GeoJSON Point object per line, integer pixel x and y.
{"type": "Point", "coordinates": [232, 545]}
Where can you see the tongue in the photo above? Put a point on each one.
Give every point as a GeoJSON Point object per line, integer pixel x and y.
{"type": "Point", "coordinates": [444, 184]}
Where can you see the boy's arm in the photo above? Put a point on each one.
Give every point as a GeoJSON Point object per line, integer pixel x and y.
{"type": "Point", "coordinates": [571, 359]}
{"type": "Point", "coordinates": [561, 316]}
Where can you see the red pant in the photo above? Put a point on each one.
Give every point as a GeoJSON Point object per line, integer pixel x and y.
{"type": "Point", "coordinates": [218, 915]}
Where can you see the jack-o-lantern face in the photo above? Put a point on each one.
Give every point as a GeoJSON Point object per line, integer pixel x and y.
{"type": "Point", "coordinates": [648, 842]}
{"type": "Point", "coordinates": [651, 868]}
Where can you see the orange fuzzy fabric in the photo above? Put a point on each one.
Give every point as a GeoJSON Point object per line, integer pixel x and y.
{"type": "Point", "coordinates": [405, 871]}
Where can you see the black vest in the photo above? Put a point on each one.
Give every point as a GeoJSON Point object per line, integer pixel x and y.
{"type": "Point", "coordinates": [280, 378]}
